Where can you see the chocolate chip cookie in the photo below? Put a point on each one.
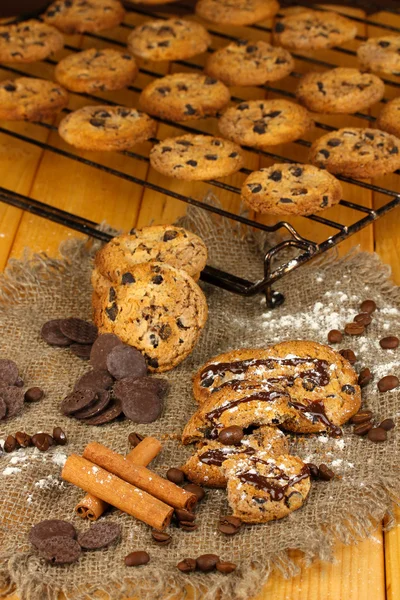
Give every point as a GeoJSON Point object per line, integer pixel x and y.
{"type": "Point", "coordinates": [312, 29]}
{"type": "Point", "coordinates": [261, 123]}
{"type": "Point", "coordinates": [340, 90]}
{"type": "Point", "coordinates": [80, 16]}
{"type": "Point", "coordinates": [249, 63]}
{"type": "Point", "coordinates": [159, 311]}
{"type": "Point", "coordinates": [93, 70]}
{"type": "Point", "coordinates": [30, 99]}
{"type": "Point", "coordinates": [196, 157]}
{"type": "Point", "coordinates": [28, 41]}
{"type": "Point", "coordinates": [389, 117]}
{"type": "Point", "coordinates": [296, 189]}
{"type": "Point", "coordinates": [171, 39]}
{"type": "Point", "coordinates": [106, 128]}
{"type": "Point", "coordinates": [236, 12]}
{"type": "Point", "coordinates": [381, 54]}
{"type": "Point", "coordinates": [184, 96]}
{"type": "Point", "coordinates": [357, 152]}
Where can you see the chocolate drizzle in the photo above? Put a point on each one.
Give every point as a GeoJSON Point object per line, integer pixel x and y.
{"type": "Point", "coordinates": [316, 410]}
{"type": "Point", "coordinates": [216, 456]}
{"type": "Point", "coordinates": [270, 484]}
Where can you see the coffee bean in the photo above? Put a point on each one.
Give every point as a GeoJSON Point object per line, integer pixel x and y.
{"type": "Point", "coordinates": [335, 336]}
{"type": "Point", "coordinates": [387, 424]}
{"type": "Point", "coordinates": [348, 355]}
{"type": "Point", "coordinates": [390, 382]}
{"type": "Point", "coordinates": [33, 394]}
{"type": "Point", "coordinates": [184, 515]}
{"type": "Point", "coordinates": [225, 567]}
{"type": "Point", "coordinates": [364, 377]}
{"type": "Point", "coordinates": [176, 475]}
{"type": "Point", "coordinates": [390, 342]}
{"type": "Point", "coordinates": [187, 525]}
{"type": "Point", "coordinates": [162, 538]}
{"type": "Point", "coordinates": [59, 436]}
{"type": "Point", "coordinates": [363, 318]}
{"type": "Point", "coordinates": [229, 525]}
{"type": "Point", "coordinates": [361, 417]}
{"type": "Point", "coordinates": [362, 428]}
{"type": "Point", "coordinates": [377, 434]}
{"type": "Point", "coordinates": [313, 470]}
{"type": "Point", "coordinates": [135, 559]}
{"type": "Point", "coordinates": [196, 490]}
{"type": "Point", "coordinates": [23, 439]}
{"type": "Point", "coordinates": [135, 438]}
{"type": "Point", "coordinates": [10, 444]}
{"type": "Point", "coordinates": [325, 473]}
{"type": "Point", "coordinates": [231, 436]}
{"type": "Point", "coordinates": [354, 328]}
{"type": "Point", "coordinates": [368, 306]}
{"type": "Point", "coordinates": [187, 565]}
{"type": "Point", "coordinates": [41, 441]}
{"type": "Point", "coordinates": [207, 562]}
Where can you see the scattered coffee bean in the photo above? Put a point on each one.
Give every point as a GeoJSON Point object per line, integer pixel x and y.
{"type": "Point", "coordinates": [187, 525]}
{"type": "Point", "coordinates": [19, 382]}
{"type": "Point", "coordinates": [354, 328]}
{"type": "Point", "coordinates": [231, 436]}
{"type": "Point", "coordinates": [176, 475]}
{"type": "Point", "coordinates": [229, 525]}
{"type": "Point", "coordinates": [10, 444]}
{"type": "Point", "coordinates": [361, 417]}
{"type": "Point", "coordinates": [348, 355]}
{"type": "Point", "coordinates": [196, 490]}
{"type": "Point", "coordinates": [387, 424]}
{"type": "Point", "coordinates": [187, 565]}
{"type": "Point", "coordinates": [365, 377]}
{"type": "Point", "coordinates": [207, 562]}
{"type": "Point", "coordinates": [362, 428]}
{"type": "Point", "coordinates": [363, 318]}
{"type": "Point", "coordinates": [390, 382]}
{"type": "Point", "coordinates": [389, 343]}
{"type": "Point", "coordinates": [335, 336]}
{"type": "Point", "coordinates": [313, 470]}
{"type": "Point", "coordinates": [184, 515]}
{"type": "Point", "coordinates": [377, 434]}
{"type": "Point", "coordinates": [59, 436]}
{"type": "Point", "coordinates": [225, 567]}
{"type": "Point", "coordinates": [162, 538]}
{"type": "Point", "coordinates": [135, 438]}
{"type": "Point", "coordinates": [135, 559]}
{"type": "Point", "coordinates": [41, 441]}
{"type": "Point", "coordinates": [34, 394]}
{"type": "Point", "coordinates": [325, 473]}
{"type": "Point", "coordinates": [368, 306]}
{"type": "Point", "coordinates": [23, 439]}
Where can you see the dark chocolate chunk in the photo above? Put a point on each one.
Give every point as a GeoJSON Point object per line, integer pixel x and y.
{"type": "Point", "coordinates": [101, 348]}
{"type": "Point", "coordinates": [142, 406]}
{"type": "Point", "coordinates": [192, 163]}
{"type": "Point", "coordinates": [95, 379]}
{"type": "Point", "coordinates": [112, 311]}
{"type": "Point", "coordinates": [189, 110]}
{"type": "Point", "coordinates": [127, 278]}
{"type": "Point", "coordinates": [125, 361]}
{"type": "Point", "coordinates": [113, 410]}
{"type": "Point", "coordinates": [81, 350]}
{"type": "Point", "coordinates": [103, 399]}
{"type": "Point", "coordinates": [254, 187]}
{"type": "Point", "coordinates": [170, 235]}
{"type": "Point", "coordinates": [260, 128]}
{"type": "Point", "coordinates": [276, 176]}
{"type": "Point", "coordinates": [333, 142]}
{"type": "Point", "coordinates": [279, 27]}
{"type": "Point", "coordinates": [157, 279]}
{"type": "Point", "coordinates": [78, 400]}
{"type": "Point", "coordinates": [60, 550]}
{"type": "Point", "coordinates": [78, 330]}
{"type": "Point", "coordinates": [324, 153]}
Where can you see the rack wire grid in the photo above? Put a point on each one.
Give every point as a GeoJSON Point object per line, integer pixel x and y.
{"type": "Point", "coordinates": [306, 249]}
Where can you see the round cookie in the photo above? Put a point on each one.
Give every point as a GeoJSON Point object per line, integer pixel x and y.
{"type": "Point", "coordinates": [156, 243]}
{"type": "Point", "coordinates": [93, 70]}
{"type": "Point", "coordinates": [77, 16]}
{"type": "Point", "coordinates": [184, 96]}
{"type": "Point", "coordinates": [196, 157]}
{"type": "Point", "coordinates": [30, 99]}
{"type": "Point", "coordinates": [357, 152]}
{"type": "Point", "coordinates": [236, 12]}
{"type": "Point", "coordinates": [172, 39]}
{"type": "Point", "coordinates": [106, 128]}
{"type": "Point", "coordinates": [244, 63]}
{"type": "Point", "coordinates": [161, 312]}
{"type": "Point", "coordinates": [291, 189]}
{"type": "Point", "coordinates": [261, 123]}
{"type": "Point", "coordinates": [28, 41]}
{"type": "Point", "coordinates": [339, 90]}
{"type": "Point", "coordinates": [263, 488]}
{"type": "Point", "coordinates": [312, 29]}
{"type": "Point", "coordinates": [389, 117]}
{"type": "Point", "coordinates": [381, 54]}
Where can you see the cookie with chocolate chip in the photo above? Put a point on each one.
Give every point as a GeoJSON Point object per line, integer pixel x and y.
{"type": "Point", "coordinates": [357, 152]}
{"type": "Point", "coordinates": [285, 189]}
{"type": "Point", "coordinates": [184, 96]}
{"type": "Point", "coordinates": [262, 123]}
{"type": "Point", "coordinates": [93, 70]}
{"type": "Point", "coordinates": [389, 117]}
{"type": "Point", "coordinates": [160, 311]}
{"type": "Point", "coordinates": [196, 157]}
{"type": "Point", "coordinates": [244, 63]}
{"type": "Point", "coordinates": [236, 12]}
{"type": "Point", "coordinates": [313, 29]}
{"type": "Point", "coordinates": [28, 41]}
{"type": "Point", "coordinates": [30, 99]}
{"type": "Point", "coordinates": [339, 90]}
{"type": "Point", "coordinates": [106, 128]}
{"type": "Point", "coordinates": [80, 16]}
{"type": "Point", "coordinates": [380, 54]}
{"type": "Point", "coordinates": [171, 39]}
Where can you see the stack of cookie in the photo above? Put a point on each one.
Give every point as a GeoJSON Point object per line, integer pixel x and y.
{"type": "Point", "coordinates": [145, 292]}
{"type": "Point", "coordinates": [244, 395]}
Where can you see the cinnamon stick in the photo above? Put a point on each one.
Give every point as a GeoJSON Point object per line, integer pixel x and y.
{"type": "Point", "coordinates": [140, 476]}
{"type": "Point", "coordinates": [91, 507]}
{"type": "Point", "coordinates": [113, 490]}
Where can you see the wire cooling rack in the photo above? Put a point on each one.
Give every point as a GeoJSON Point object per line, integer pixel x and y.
{"type": "Point", "coordinates": [274, 269]}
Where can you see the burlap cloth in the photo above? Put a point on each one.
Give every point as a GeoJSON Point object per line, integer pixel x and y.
{"type": "Point", "coordinates": [318, 297]}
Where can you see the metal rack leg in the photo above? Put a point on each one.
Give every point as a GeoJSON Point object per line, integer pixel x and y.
{"type": "Point", "coordinates": [273, 298]}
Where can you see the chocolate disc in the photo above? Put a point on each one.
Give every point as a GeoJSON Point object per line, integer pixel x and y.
{"type": "Point", "coordinates": [51, 528]}
{"type": "Point", "coordinates": [101, 348]}
{"type": "Point", "coordinates": [142, 406]}
{"type": "Point", "coordinates": [103, 400]}
{"type": "Point", "coordinates": [112, 411]}
{"type": "Point", "coordinates": [51, 333]}
{"type": "Point", "coordinates": [60, 550]}
{"type": "Point", "coordinates": [95, 379]}
{"type": "Point", "coordinates": [8, 371]}
{"type": "Point", "coordinates": [124, 387]}
{"type": "Point", "coordinates": [99, 535]}
{"type": "Point", "coordinates": [14, 400]}
{"type": "Point", "coordinates": [81, 350]}
{"type": "Point", "coordinates": [124, 361]}
{"type": "Point", "coordinates": [78, 400]}
{"type": "Point", "coordinates": [3, 408]}
{"type": "Point", "coordinates": [78, 330]}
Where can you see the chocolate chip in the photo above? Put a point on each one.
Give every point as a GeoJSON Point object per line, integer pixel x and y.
{"type": "Point", "coordinates": [175, 475]}
{"type": "Point", "coordinates": [188, 525]}
{"type": "Point", "coordinates": [189, 110]}
{"type": "Point", "coordinates": [135, 438]}
{"type": "Point", "coordinates": [242, 106]}
{"type": "Point", "coordinates": [33, 394]}
{"type": "Point", "coordinates": [96, 122]}
{"type": "Point", "coordinates": [390, 342]}
{"type": "Point", "coordinates": [348, 355]}
{"type": "Point", "coordinates": [325, 473]}
{"type": "Point", "coordinates": [184, 515]}
{"type": "Point", "coordinates": [383, 44]}
{"type": "Point", "coordinates": [279, 27]}
{"type": "Point", "coordinates": [394, 150]}
{"type": "Point", "coordinates": [170, 235]}
{"type": "Point", "coordinates": [296, 171]}
{"type": "Point", "coordinates": [390, 382]}
{"type": "Point", "coordinates": [363, 318]}
{"type": "Point", "coordinates": [233, 155]}
{"type": "Point", "coordinates": [157, 280]}
{"type": "Point", "coordinates": [362, 428]}
{"type": "Point", "coordinates": [135, 559]}
{"type": "Point", "coordinates": [231, 436]}
{"type": "Point", "coordinates": [211, 157]}
{"type": "Point", "coordinates": [314, 473]}
{"type": "Point", "coordinates": [192, 163]}
{"type": "Point", "coordinates": [210, 81]}
{"type": "Point", "coordinates": [112, 311]}
{"type": "Point", "coordinates": [335, 336]}
{"type": "Point", "coordinates": [162, 538]}
{"type": "Point", "coordinates": [348, 389]}
{"type": "Point", "coordinates": [99, 535]}
{"type": "Point", "coordinates": [286, 200]}
{"type": "Point", "coordinates": [101, 348]}
{"type": "Point", "coordinates": [187, 565]}
{"type": "Point", "coordinates": [368, 306]}
{"type": "Point", "coordinates": [260, 128]}
{"type": "Point", "coordinates": [125, 361]}
{"type": "Point", "coordinates": [8, 371]}
{"type": "Point", "coordinates": [387, 424]}
{"type": "Point", "coordinates": [361, 417]}
{"type": "Point", "coordinates": [333, 142]}
{"type": "Point", "coordinates": [196, 490]}
{"type": "Point", "coordinates": [112, 294]}
{"type": "Point", "coordinates": [23, 439]}
{"type": "Point", "coordinates": [127, 278]}
{"type": "Point", "coordinates": [59, 436]}
{"type": "Point", "coordinates": [225, 567]}
{"type": "Point", "coordinates": [354, 328]}
{"type": "Point", "coordinates": [10, 444]}
{"type": "Point", "coordinates": [254, 187]}
{"type": "Point", "coordinates": [325, 153]}
{"type": "Point", "coordinates": [229, 525]}
{"type": "Point", "coordinates": [276, 175]}
{"type": "Point", "coordinates": [377, 434]}
{"type": "Point", "coordinates": [10, 87]}
{"type": "Point", "coordinates": [206, 562]}
{"type": "Point", "coordinates": [364, 377]}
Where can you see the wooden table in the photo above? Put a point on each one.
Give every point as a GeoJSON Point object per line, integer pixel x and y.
{"type": "Point", "coordinates": [367, 571]}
